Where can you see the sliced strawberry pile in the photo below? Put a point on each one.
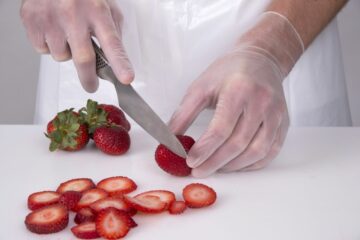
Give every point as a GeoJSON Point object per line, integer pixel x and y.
{"type": "Point", "coordinates": [117, 185]}
{"type": "Point", "coordinates": [106, 210]}
{"type": "Point", "coordinates": [41, 199]}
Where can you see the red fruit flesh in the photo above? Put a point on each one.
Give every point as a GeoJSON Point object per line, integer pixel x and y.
{"type": "Point", "coordinates": [104, 203]}
{"type": "Point", "coordinates": [116, 116]}
{"type": "Point", "coordinates": [78, 185]}
{"type": "Point", "coordinates": [85, 230]}
{"type": "Point", "coordinates": [177, 207]}
{"type": "Point", "coordinates": [85, 214]}
{"type": "Point", "coordinates": [89, 197]}
{"type": "Point", "coordinates": [49, 219]}
{"type": "Point", "coordinates": [197, 195]}
{"type": "Point", "coordinates": [164, 196]}
{"type": "Point", "coordinates": [112, 224]}
{"type": "Point", "coordinates": [146, 204]}
{"type": "Point", "coordinates": [70, 199]}
{"type": "Point", "coordinates": [41, 199]}
{"type": "Point", "coordinates": [112, 140]}
{"type": "Point", "coordinates": [172, 163]}
{"type": "Point", "coordinates": [117, 185]}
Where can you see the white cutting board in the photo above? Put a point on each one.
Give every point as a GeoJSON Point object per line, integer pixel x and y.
{"type": "Point", "coordinates": [311, 191]}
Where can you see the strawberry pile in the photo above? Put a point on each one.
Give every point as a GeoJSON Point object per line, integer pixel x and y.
{"type": "Point", "coordinates": [105, 124]}
{"type": "Point", "coordinates": [105, 209]}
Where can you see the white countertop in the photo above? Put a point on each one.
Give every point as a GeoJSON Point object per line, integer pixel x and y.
{"type": "Point", "coordinates": [311, 191]}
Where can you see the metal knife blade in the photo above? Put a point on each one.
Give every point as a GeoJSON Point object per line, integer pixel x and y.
{"type": "Point", "coordinates": [133, 104]}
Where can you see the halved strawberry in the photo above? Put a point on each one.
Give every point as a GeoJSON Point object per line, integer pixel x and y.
{"type": "Point", "coordinates": [90, 196]}
{"type": "Point", "coordinates": [41, 199]}
{"type": "Point", "coordinates": [49, 219]}
{"type": "Point", "coordinates": [164, 195]}
{"type": "Point", "coordinates": [85, 214]}
{"type": "Point", "coordinates": [112, 224]}
{"type": "Point", "coordinates": [146, 204]}
{"type": "Point", "coordinates": [114, 202]}
{"type": "Point", "coordinates": [70, 199]}
{"type": "Point", "coordinates": [78, 184]}
{"type": "Point", "coordinates": [177, 207]}
{"type": "Point", "coordinates": [85, 230]}
{"type": "Point", "coordinates": [117, 185]}
{"type": "Point", "coordinates": [198, 195]}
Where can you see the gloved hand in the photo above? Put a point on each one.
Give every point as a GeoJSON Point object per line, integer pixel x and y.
{"type": "Point", "coordinates": [63, 29]}
{"type": "Point", "coordinates": [244, 86]}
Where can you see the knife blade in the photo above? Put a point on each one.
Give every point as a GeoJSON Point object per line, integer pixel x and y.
{"type": "Point", "coordinates": [136, 107]}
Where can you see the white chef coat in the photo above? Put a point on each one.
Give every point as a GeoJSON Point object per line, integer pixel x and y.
{"type": "Point", "coordinates": [170, 42]}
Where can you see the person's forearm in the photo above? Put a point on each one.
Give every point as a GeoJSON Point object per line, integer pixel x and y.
{"type": "Point", "coordinates": [309, 17]}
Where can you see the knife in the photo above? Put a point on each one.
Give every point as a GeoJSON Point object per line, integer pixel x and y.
{"type": "Point", "coordinates": [133, 104]}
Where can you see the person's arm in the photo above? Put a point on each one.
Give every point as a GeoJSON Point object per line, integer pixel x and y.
{"type": "Point", "coordinates": [244, 86]}
{"type": "Point", "coordinates": [309, 17]}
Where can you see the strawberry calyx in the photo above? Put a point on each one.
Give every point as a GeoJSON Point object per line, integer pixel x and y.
{"type": "Point", "coordinates": [93, 115]}
{"type": "Point", "coordinates": [64, 130]}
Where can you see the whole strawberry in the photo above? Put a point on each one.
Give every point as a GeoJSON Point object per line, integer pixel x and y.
{"type": "Point", "coordinates": [113, 140]}
{"type": "Point", "coordinates": [96, 115]}
{"type": "Point", "coordinates": [172, 163]}
{"type": "Point", "coordinates": [115, 116]}
{"type": "Point", "coordinates": [67, 132]}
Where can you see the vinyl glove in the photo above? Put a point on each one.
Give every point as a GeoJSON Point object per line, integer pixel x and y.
{"type": "Point", "coordinates": [244, 86]}
{"type": "Point", "coordinates": [64, 28]}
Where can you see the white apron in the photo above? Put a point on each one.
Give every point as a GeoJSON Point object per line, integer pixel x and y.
{"type": "Point", "coordinates": [170, 42]}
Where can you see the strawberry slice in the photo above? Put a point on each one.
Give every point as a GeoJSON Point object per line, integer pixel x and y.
{"type": "Point", "coordinates": [85, 214]}
{"type": "Point", "coordinates": [90, 196]}
{"type": "Point", "coordinates": [70, 199]}
{"type": "Point", "coordinates": [114, 202]}
{"type": "Point", "coordinates": [164, 195]}
{"type": "Point", "coordinates": [117, 185]}
{"type": "Point", "coordinates": [49, 219]}
{"type": "Point", "coordinates": [41, 199]}
{"type": "Point", "coordinates": [112, 224]}
{"type": "Point", "coordinates": [78, 185]}
{"type": "Point", "coordinates": [197, 195]}
{"type": "Point", "coordinates": [146, 204]}
{"type": "Point", "coordinates": [177, 207]}
{"type": "Point", "coordinates": [85, 230]}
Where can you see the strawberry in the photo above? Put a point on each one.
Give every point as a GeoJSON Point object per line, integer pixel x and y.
{"type": "Point", "coordinates": [117, 185]}
{"type": "Point", "coordinates": [172, 163]}
{"type": "Point", "coordinates": [115, 116]}
{"type": "Point", "coordinates": [164, 196]}
{"type": "Point", "coordinates": [70, 199]}
{"type": "Point", "coordinates": [49, 219]}
{"type": "Point", "coordinates": [85, 230]}
{"type": "Point", "coordinates": [146, 204]}
{"type": "Point", "coordinates": [197, 195]}
{"type": "Point", "coordinates": [90, 196]}
{"type": "Point", "coordinates": [67, 132]}
{"type": "Point", "coordinates": [112, 224]}
{"type": "Point", "coordinates": [85, 214]}
{"type": "Point", "coordinates": [41, 199]}
{"type": "Point", "coordinates": [104, 203]}
{"type": "Point", "coordinates": [112, 140]}
{"type": "Point", "coordinates": [96, 115]}
{"type": "Point", "coordinates": [177, 207]}
{"type": "Point", "coordinates": [78, 184]}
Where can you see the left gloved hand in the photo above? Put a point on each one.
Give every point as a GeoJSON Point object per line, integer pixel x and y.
{"type": "Point", "coordinates": [244, 86]}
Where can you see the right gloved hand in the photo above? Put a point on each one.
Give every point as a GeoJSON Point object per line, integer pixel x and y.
{"type": "Point", "coordinates": [64, 28]}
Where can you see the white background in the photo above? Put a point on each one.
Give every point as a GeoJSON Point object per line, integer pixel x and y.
{"type": "Point", "coordinates": [19, 64]}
